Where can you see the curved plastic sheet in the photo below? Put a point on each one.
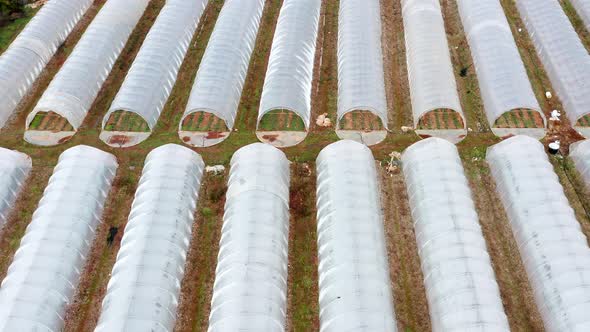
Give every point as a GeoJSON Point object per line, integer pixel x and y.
{"type": "Point", "coordinates": [563, 55]}
{"type": "Point", "coordinates": [361, 85]}
{"type": "Point", "coordinates": [250, 290]}
{"type": "Point", "coordinates": [354, 285]}
{"type": "Point", "coordinates": [14, 170]}
{"type": "Point", "coordinates": [73, 90]}
{"type": "Point", "coordinates": [29, 53]}
{"type": "Point", "coordinates": [289, 76]}
{"type": "Point", "coordinates": [45, 271]}
{"type": "Point", "coordinates": [583, 9]}
{"type": "Point", "coordinates": [144, 289]}
{"type": "Point", "coordinates": [223, 69]}
{"type": "Point", "coordinates": [460, 282]}
{"type": "Point", "coordinates": [502, 77]}
{"type": "Point", "coordinates": [553, 248]}
{"type": "Point", "coordinates": [153, 73]}
{"type": "Point", "coordinates": [430, 71]}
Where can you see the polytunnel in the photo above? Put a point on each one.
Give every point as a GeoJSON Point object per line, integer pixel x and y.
{"type": "Point", "coordinates": [144, 289]}
{"type": "Point", "coordinates": [433, 90]}
{"type": "Point", "coordinates": [580, 154]}
{"type": "Point", "coordinates": [361, 82]}
{"type": "Point", "coordinates": [64, 105]}
{"type": "Point", "coordinates": [286, 94]}
{"type": "Point", "coordinates": [43, 276]}
{"type": "Point", "coordinates": [583, 9]}
{"type": "Point", "coordinates": [509, 101]}
{"type": "Point", "coordinates": [153, 73]}
{"type": "Point", "coordinates": [553, 248]}
{"type": "Point", "coordinates": [563, 55]}
{"type": "Point", "coordinates": [250, 290]}
{"type": "Point", "coordinates": [354, 286]}
{"type": "Point", "coordinates": [29, 53]}
{"type": "Point", "coordinates": [460, 282]}
{"type": "Point", "coordinates": [14, 171]}
{"type": "Point", "coordinates": [215, 96]}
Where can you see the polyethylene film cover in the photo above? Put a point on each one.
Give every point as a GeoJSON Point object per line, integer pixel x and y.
{"type": "Point", "coordinates": [144, 289]}
{"type": "Point", "coordinates": [361, 85]}
{"type": "Point", "coordinates": [354, 284]}
{"type": "Point", "coordinates": [26, 57]}
{"type": "Point", "coordinates": [250, 290]}
{"type": "Point", "coordinates": [459, 279]}
{"type": "Point", "coordinates": [546, 230]}
{"type": "Point", "coordinates": [74, 88]}
{"type": "Point", "coordinates": [502, 77]}
{"type": "Point", "coordinates": [563, 55]}
{"type": "Point", "coordinates": [432, 81]}
{"type": "Point", "coordinates": [288, 82]}
{"type": "Point", "coordinates": [223, 69]}
{"type": "Point", "coordinates": [153, 73]}
{"type": "Point", "coordinates": [42, 279]}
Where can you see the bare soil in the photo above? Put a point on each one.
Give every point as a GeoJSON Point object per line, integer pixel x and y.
{"type": "Point", "coordinates": [395, 65]}
{"type": "Point", "coordinates": [252, 91]}
{"type": "Point", "coordinates": [324, 95]}
{"type": "Point", "coordinates": [302, 297]}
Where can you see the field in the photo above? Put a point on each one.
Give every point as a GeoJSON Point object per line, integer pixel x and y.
{"type": "Point", "coordinates": [303, 308]}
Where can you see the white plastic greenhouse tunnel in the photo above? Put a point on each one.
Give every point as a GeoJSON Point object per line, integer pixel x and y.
{"type": "Point", "coordinates": [144, 290]}
{"type": "Point", "coordinates": [433, 90]}
{"type": "Point", "coordinates": [215, 96]}
{"type": "Point", "coordinates": [354, 285]}
{"type": "Point", "coordinates": [553, 248]}
{"type": "Point", "coordinates": [583, 9]}
{"type": "Point", "coordinates": [14, 171]}
{"type": "Point", "coordinates": [250, 290]}
{"type": "Point", "coordinates": [563, 55]}
{"type": "Point", "coordinates": [361, 82]}
{"type": "Point", "coordinates": [64, 105]}
{"type": "Point", "coordinates": [460, 282]}
{"type": "Point", "coordinates": [29, 53]}
{"type": "Point", "coordinates": [141, 99]}
{"type": "Point", "coordinates": [509, 101]}
{"type": "Point", "coordinates": [286, 94]}
{"type": "Point", "coordinates": [43, 276]}
{"type": "Point", "coordinates": [580, 154]}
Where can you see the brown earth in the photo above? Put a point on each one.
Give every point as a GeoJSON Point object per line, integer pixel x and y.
{"type": "Point", "coordinates": [324, 97]}
{"type": "Point", "coordinates": [302, 297]}
{"type": "Point", "coordinates": [395, 65]}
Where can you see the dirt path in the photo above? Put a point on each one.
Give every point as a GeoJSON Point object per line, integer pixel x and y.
{"type": "Point", "coordinates": [250, 101]}
{"type": "Point", "coordinates": [465, 76]}
{"type": "Point", "coordinates": [324, 98]}
{"type": "Point", "coordinates": [302, 297]}
{"type": "Point", "coordinates": [395, 65]}
{"type": "Point", "coordinates": [411, 306]}
{"type": "Point", "coordinates": [199, 275]}
{"type": "Point", "coordinates": [515, 289]}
